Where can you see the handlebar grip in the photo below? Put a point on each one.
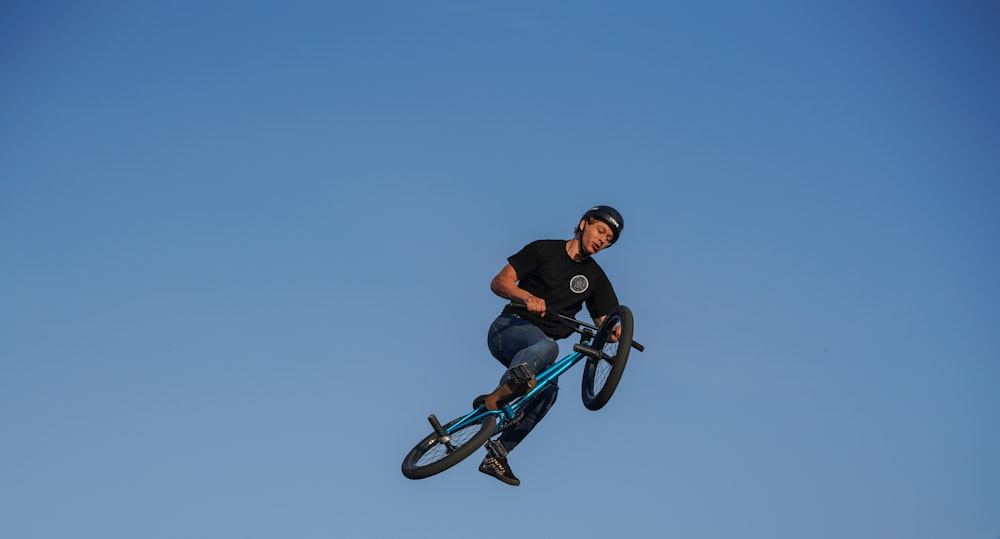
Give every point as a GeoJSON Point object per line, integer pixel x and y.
{"type": "Point", "coordinates": [638, 346]}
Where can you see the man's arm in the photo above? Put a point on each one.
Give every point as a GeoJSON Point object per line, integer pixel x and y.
{"type": "Point", "coordinates": [505, 286]}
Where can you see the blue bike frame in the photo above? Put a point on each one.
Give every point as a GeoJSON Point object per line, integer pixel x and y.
{"type": "Point", "coordinates": [509, 411]}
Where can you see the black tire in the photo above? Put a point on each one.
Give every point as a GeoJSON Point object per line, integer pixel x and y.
{"type": "Point", "coordinates": [601, 376]}
{"type": "Point", "coordinates": [431, 457]}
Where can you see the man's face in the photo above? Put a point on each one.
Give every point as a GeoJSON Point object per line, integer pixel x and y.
{"type": "Point", "coordinates": [596, 236]}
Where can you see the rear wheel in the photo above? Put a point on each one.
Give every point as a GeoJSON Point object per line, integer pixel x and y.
{"type": "Point", "coordinates": [435, 454]}
{"type": "Point", "coordinates": [601, 376]}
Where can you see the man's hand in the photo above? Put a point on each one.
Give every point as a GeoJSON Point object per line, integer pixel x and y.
{"type": "Point", "coordinates": [616, 333]}
{"type": "Point", "coordinates": [535, 304]}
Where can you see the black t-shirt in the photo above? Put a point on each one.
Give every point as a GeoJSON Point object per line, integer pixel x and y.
{"type": "Point", "coordinates": [545, 269]}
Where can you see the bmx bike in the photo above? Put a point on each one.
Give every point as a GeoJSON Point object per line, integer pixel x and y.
{"type": "Point", "coordinates": [449, 444]}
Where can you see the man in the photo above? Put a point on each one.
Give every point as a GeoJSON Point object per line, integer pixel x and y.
{"type": "Point", "coordinates": [546, 276]}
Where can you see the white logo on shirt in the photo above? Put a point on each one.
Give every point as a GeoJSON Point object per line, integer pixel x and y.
{"type": "Point", "coordinates": [579, 284]}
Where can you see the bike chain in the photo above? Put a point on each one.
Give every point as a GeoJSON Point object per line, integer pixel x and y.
{"type": "Point", "coordinates": [510, 422]}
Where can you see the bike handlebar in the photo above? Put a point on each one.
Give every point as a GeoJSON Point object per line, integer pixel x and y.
{"type": "Point", "coordinates": [574, 324]}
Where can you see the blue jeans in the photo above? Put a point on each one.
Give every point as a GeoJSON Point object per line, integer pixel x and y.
{"type": "Point", "coordinates": [513, 340]}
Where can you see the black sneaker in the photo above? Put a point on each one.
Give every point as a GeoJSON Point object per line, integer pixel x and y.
{"type": "Point", "coordinates": [495, 464]}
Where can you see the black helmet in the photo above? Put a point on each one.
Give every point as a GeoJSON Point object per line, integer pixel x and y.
{"type": "Point", "coordinates": [610, 216]}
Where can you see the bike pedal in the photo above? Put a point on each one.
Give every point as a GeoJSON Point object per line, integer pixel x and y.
{"type": "Point", "coordinates": [520, 374]}
{"type": "Point", "coordinates": [496, 449]}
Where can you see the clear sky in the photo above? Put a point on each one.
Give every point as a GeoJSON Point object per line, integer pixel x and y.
{"type": "Point", "coordinates": [246, 249]}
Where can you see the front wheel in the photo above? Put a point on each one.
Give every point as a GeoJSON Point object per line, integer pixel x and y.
{"type": "Point", "coordinates": [435, 454]}
{"type": "Point", "coordinates": [601, 376]}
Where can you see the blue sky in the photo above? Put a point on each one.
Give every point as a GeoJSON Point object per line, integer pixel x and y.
{"type": "Point", "coordinates": [247, 249]}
